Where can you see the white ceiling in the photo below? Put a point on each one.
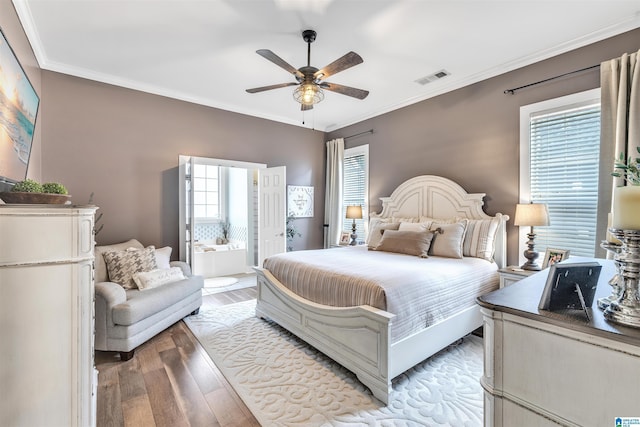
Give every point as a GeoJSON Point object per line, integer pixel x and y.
{"type": "Point", "coordinates": [204, 51]}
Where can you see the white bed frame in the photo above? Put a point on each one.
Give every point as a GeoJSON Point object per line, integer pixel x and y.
{"type": "Point", "coordinates": [359, 337]}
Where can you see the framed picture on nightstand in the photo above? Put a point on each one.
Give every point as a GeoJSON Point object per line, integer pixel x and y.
{"type": "Point", "coordinates": [554, 256]}
{"type": "Point", "coordinates": [345, 238]}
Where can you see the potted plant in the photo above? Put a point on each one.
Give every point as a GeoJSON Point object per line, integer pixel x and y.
{"type": "Point", "coordinates": [292, 232]}
{"type": "Point", "coordinates": [626, 199]}
{"type": "Point", "coordinates": [32, 192]}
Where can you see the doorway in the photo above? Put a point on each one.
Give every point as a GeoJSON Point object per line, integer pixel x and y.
{"type": "Point", "coordinates": [223, 211]}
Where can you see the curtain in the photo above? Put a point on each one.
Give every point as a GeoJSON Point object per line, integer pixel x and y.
{"type": "Point", "coordinates": [333, 192]}
{"type": "Point", "coordinates": [620, 124]}
{"type": "Point", "coordinates": [620, 127]}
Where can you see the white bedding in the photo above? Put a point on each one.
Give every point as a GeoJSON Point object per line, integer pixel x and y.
{"type": "Point", "coordinates": [419, 291]}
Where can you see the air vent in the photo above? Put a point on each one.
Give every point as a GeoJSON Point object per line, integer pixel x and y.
{"type": "Point", "coordinates": [433, 77]}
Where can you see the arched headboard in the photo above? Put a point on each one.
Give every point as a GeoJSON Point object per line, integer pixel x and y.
{"type": "Point", "coordinates": [437, 197]}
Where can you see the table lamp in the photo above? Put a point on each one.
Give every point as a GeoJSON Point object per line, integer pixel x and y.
{"type": "Point", "coordinates": [354, 212]}
{"type": "Point", "coordinates": [530, 215]}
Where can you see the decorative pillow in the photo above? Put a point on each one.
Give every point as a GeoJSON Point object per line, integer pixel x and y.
{"type": "Point", "coordinates": [154, 278]}
{"type": "Point", "coordinates": [480, 238]}
{"type": "Point", "coordinates": [440, 220]}
{"type": "Point", "coordinates": [414, 226]}
{"type": "Point", "coordinates": [406, 242]}
{"type": "Point", "coordinates": [403, 219]}
{"type": "Point", "coordinates": [122, 265]}
{"type": "Point", "coordinates": [163, 256]}
{"type": "Point", "coordinates": [375, 235]}
{"type": "Point", "coordinates": [449, 243]}
{"type": "Point", "coordinates": [373, 222]}
{"type": "Point", "coordinates": [101, 274]}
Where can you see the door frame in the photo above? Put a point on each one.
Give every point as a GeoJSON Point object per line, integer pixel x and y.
{"type": "Point", "coordinates": [186, 253]}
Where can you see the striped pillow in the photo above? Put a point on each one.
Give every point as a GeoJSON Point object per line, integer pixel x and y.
{"type": "Point", "coordinates": [480, 239]}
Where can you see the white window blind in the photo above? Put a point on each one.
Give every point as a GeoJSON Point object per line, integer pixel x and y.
{"type": "Point", "coordinates": [564, 155]}
{"type": "Point", "coordinates": [355, 187]}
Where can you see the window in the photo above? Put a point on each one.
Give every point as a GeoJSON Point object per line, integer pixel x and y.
{"type": "Point", "coordinates": [559, 159]}
{"type": "Point", "coordinates": [356, 188]}
{"type": "Point", "coordinates": [206, 192]}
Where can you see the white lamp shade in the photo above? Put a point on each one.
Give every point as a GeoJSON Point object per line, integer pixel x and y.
{"type": "Point", "coordinates": [531, 214]}
{"type": "Point", "coordinates": [354, 212]}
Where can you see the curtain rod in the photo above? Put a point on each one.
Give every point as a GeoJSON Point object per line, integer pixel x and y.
{"type": "Point", "coordinates": [512, 91]}
{"type": "Point", "coordinates": [359, 134]}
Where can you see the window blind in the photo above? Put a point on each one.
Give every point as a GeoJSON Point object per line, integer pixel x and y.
{"type": "Point", "coordinates": [565, 148]}
{"type": "Point", "coordinates": [354, 191]}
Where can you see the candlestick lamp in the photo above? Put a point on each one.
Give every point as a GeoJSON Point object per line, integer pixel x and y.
{"type": "Point", "coordinates": [354, 212]}
{"type": "Point", "coordinates": [530, 215]}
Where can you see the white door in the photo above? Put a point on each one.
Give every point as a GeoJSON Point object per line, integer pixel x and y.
{"type": "Point", "coordinates": [273, 212]}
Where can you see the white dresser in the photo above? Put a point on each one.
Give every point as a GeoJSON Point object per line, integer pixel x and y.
{"type": "Point", "coordinates": [556, 368]}
{"type": "Point", "coordinates": [47, 373]}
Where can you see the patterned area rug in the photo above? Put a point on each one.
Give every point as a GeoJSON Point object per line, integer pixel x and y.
{"type": "Point", "coordinates": [285, 382]}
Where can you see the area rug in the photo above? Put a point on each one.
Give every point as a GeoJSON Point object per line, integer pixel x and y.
{"type": "Point", "coordinates": [285, 382]}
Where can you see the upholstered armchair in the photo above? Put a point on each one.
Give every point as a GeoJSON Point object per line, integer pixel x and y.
{"type": "Point", "coordinates": [128, 314]}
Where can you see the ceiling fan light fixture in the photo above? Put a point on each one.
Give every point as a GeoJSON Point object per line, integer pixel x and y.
{"type": "Point", "coordinates": [308, 94]}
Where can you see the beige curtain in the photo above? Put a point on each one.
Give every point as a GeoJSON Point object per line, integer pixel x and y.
{"type": "Point", "coordinates": [620, 124]}
{"type": "Point", "coordinates": [333, 192]}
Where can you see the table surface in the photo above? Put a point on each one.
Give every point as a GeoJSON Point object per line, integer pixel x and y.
{"type": "Point", "coordinates": [522, 299]}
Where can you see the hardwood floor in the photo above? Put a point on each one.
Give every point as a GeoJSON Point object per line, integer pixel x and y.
{"type": "Point", "coordinates": [170, 381]}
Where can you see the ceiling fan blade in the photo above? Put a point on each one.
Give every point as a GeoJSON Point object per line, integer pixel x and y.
{"type": "Point", "coordinates": [267, 54]}
{"type": "Point", "coordinates": [304, 107]}
{"type": "Point", "coordinates": [346, 61]}
{"type": "Point", "coordinates": [345, 90]}
{"type": "Point", "coordinates": [263, 88]}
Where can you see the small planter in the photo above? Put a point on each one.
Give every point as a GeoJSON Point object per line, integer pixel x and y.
{"type": "Point", "coordinates": [18, 197]}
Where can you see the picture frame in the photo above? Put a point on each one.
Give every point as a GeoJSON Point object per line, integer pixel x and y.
{"type": "Point", "coordinates": [19, 104]}
{"type": "Point", "coordinates": [345, 238]}
{"type": "Point", "coordinates": [300, 201]}
{"type": "Point", "coordinates": [553, 256]}
{"type": "Point", "coordinates": [570, 286]}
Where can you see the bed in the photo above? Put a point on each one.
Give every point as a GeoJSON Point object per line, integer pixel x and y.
{"type": "Point", "coordinates": [379, 339]}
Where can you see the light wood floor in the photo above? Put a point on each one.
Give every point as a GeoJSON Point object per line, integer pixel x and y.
{"type": "Point", "coordinates": [170, 382]}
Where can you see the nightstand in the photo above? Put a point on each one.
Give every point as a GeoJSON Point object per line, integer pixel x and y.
{"type": "Point", "coordinates": [512, 274]}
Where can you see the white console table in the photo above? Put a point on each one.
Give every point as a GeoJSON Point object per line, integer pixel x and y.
{"type": "Point", "coordinates": [556, 368]}
{"type": "Point", "coordinates": [47, 371]}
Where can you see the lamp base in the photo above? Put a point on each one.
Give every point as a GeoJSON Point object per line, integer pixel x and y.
{"type": "Point", "coordinates": [354, 235]}
{"type": "Point", "coordinates": [531, 266]}
{"type": "Point", "coordinates": [531, 255]}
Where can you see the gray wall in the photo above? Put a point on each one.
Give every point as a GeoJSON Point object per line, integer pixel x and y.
{"type": "Point", "coordinates": [471, 135]}
{"type": "Point", "coordinates": [13, 32]}
{"type": "Point", "coordinates": [123, 145]}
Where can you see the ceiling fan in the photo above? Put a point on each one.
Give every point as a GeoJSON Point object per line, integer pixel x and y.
{"type": "Point", "coordinates": [310, 79]}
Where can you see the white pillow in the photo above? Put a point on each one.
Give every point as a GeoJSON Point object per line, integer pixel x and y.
{"type": "Point", "coordinates": [373, 222]}
{"type": "Point", "coordinates": [155, 278]}
{"type": "Point", "coordinates": [480, 237]}
{"type": "Point", "coordinates": [163, 256]}
{"type": "Point", "coordinates": [375, 234]}
{"type": "Point", "coordinates": [414, 226]}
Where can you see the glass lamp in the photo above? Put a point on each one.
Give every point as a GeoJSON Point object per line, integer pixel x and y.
{"type": "Point", "coordinates": [354, 212]}
{"type": "Point", "coordinates": [530, 215]}
{"type": "Point", "coordinates": [308, 94]}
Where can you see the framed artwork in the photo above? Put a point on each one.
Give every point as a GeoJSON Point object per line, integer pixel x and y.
{"type": "Point", "coordinates": [18, 110]}
{"type": "Point", "coordinates": [345, 238]}
{"type": "Point", "coordinates": [299, 201]}
{"type": "Point", "coordinates": [554, 256]}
